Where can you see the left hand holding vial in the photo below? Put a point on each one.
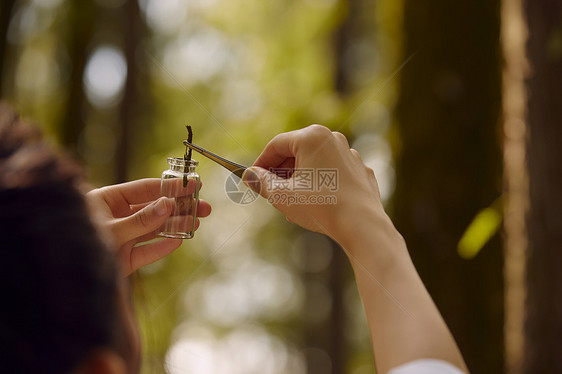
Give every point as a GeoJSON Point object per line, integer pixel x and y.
{"type": "Point", "coordinates": [132, 212]}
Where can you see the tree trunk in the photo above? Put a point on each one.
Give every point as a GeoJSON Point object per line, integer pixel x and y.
{"type": "Point", "coordinates": [449, 165]}
{"type": "Point", "coordinates": [80, 19]}
{"type": "Point", "coordinates": [129, 109]}
{"type": "Point", "coordinates": [543, 327]}
{"type": "Point", "coordinates": [516, 180]}
{"type": "Point", "coordinates": [6, 8]}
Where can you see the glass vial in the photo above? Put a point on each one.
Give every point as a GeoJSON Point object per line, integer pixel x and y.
{"type": "Point", "coordinates": [180, 184]}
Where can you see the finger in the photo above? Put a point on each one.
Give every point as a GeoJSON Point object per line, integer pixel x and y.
{"type": "Point", "coordinates": [147, 254]}
{"type": "Point", "coordinates": [142, 222]}
{"type": "Point", "coordinates": [286, 145]}
{"type": "Point", "coordinates": [286, 169]}
{"type": "Point", "coordinates": [355, 153]}
{"type": "Point", "coordinates": [373, 180]}
{"type": "Point", "coordinates": [203, 209]}
{"type": "Point", "coordinates": [341, 138]}
{"type": "Point", "coordinates": [289, 163]}
{"type": "Point", "coordinates": [155, 234]}
{"type": "Point", "coordinates": [145, 238]}
{"type": "Point", "coordinates": [265, 182]}
{"type": "Point", "coordinates": [137, 192]}
{"type": "Point", "coordinates": [280, 148]}
{"type": "Point", "coordinates": [253, 178]}
{"type": "Point", "coordinates": [176, 187]}
{"type": "Point", "coordinates": [136, 207]}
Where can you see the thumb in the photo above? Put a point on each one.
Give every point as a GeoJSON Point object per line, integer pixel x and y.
{"type": "Point", "coordinates": [267, 183]}
{"type": "Point", "coordinates": [142, 222]}
{"type": "Point", "coordinates": [263, 181]}
{"type": "Point", "coordinates": [254, 178]}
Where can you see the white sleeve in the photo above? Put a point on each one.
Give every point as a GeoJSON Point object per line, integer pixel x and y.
{"type": "Point", "coordinates": [426, 366]}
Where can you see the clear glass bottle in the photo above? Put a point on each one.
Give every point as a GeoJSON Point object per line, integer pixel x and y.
{"type": "Point", "coordinates": [180, 183]}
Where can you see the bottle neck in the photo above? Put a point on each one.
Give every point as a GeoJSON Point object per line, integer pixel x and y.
{"type": "Point", "coordinates": [181, 165]}
{"type": "Point", "coordinates": [183, 169]}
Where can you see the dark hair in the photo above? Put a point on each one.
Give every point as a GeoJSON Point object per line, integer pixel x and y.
{"type": "Point", "coordinates": [59, 281]}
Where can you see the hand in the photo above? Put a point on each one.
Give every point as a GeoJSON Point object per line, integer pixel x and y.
{"type": "Point", "coordinates": [356, 219]}
{"type": "Point", "coordinates": [316, 147]}
{"type": "Point", "coordinates": [132, 212]}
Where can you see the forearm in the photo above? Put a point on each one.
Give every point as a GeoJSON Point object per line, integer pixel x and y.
{"type": "Point", "coordinates": [403, 321]}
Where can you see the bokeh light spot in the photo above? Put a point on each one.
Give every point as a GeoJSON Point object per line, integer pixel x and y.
{"type": "Point", "coordinates": [105, 75]}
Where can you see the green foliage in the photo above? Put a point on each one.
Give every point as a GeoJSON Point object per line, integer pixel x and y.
{"type": "Point", "coordinates": [482, 228]}
{"type": "Point", "coordinates": [240, 72]}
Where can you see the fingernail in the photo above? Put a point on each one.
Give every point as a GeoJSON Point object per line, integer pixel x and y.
{"type": "Point", "coordinates": [160, 207]}
{"type": "Point", "coordinates": [251, 178]}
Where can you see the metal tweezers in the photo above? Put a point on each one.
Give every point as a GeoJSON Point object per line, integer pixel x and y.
{"type": "Point", "coordinates": [235, 168]}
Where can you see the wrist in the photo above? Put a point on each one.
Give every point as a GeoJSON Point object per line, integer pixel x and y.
{"type": "Point", "coordinates": [369, 231]}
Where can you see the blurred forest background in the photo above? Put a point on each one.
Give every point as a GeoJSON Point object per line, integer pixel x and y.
{"type": "Point", "coordinates": [454, 104]}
